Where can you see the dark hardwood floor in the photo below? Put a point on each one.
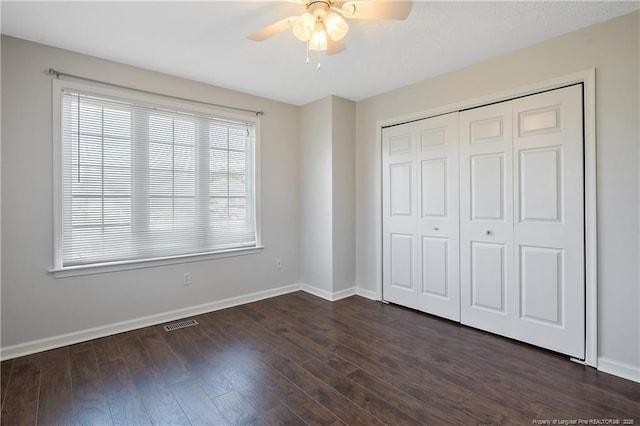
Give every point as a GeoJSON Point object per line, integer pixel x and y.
{"type": "Point", "coordinates": [298, 359]}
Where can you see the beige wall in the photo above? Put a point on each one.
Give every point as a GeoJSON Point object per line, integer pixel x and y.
{"type": "Point", "coordinates": [613, 49]}
{"type": "Point", "coordinates": [316, 205]}
{"type": "Point", "coordinates": [35, 305]}
{"type": "Point", "coordinates": [344, 205]}
{"type": "Point", "coordinates": [327, 196]}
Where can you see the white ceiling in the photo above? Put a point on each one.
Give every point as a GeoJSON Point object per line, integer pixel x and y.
{"type": "Point", "coordinates": [207, 40]}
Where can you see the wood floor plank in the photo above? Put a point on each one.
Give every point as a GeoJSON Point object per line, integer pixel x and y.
{"type": "Point", "coordinates": [90, 405]}
{"type": "Point", "coordinates": [298, 359]}
{"type": "Point", "coordinates": [5, 374]}
{"type": "Point", "coordinates": [325, 371]}
{"type": "Point", "coordinates": [400, 399]}
{"type": "Point", "coordinates": [280, 415]}
{"type": "Point", "coordinates": [264, 387]}
{"type": "Point", "coordinates": [158, 400]}
{"type": "Point", "coordinates": [299, 402]}
{"type": "Point", "coordinates": [106, 349]}
{"type": "Point", "coordinates": [279, 328]}
{"type": "Point", "coordinates": [166, 362]}
{"type": "Point", "coordinates": [56, 401]}
{"type": "Point", "coordinates": [359, 395]}
{"type": "Point", "coordinates": [342, 407]}
{"type": "Point", "coordinates": [182, 367]}
{"type": "Point", "coordinates": [229, 359]}
{"type": "Point", "coordinates": [437, 407]}
{"type": "Point", "coordinates": [198, 407]}
{"type": "Point", "coordinates": [378, 362]}
{"type": "Point", "coordinates": [542, 370]}
{"type": "Point", "coordinates": [393, 395]}
{"type": "Point", "coordinates": [400, 351]}
{"type": "Point", "coordinates": [385, 359]}
{"type": "Point", "coordinates": [21, 402]}
{"type": "Point", "coordinates": [210, 377]}
{"type": "Point", "coordinates": [236, 409]}
{"type": "Point", "coordinates": [247, 384]}
{"type": "Point", "coordinates": [508, 370]}
{"type": "Point", "coordinates": [125, 405]}
{"type": "Point", "coordinates": [314, 387]}
{"type": "Point", "coordinates": [605, 393]}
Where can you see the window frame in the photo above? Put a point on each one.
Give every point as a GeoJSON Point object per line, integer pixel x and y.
{"type": "Point", "coordinates": [59, 271]}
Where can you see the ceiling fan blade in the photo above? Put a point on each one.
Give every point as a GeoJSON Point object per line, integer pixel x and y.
{"type": "Point", "coordinates": [371, 9]}
{"type": "Point", "coordinates": [273, 29]}
{"type": "Point", "coordinates": [334, 47]}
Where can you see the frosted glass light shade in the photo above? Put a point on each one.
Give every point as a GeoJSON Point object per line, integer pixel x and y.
{"type": "Point", "coordinates": [319, 38]}
{"type": "Point", "coordinates": [303, 28]}
{"type": "Point", "coordinates": [337, 27]}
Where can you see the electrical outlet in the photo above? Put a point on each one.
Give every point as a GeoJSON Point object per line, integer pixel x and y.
{"type": "Point", "coordinates": [187, 278]}
{"type": "Point", "coordinates": [278, 263]}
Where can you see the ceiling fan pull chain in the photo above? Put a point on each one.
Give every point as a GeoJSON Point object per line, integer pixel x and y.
{"type": "Point", "coordinates": [319, 65]}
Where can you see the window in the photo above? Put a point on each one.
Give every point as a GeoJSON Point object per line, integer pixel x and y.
{"type": "Point", "coordinates": [143, 181]}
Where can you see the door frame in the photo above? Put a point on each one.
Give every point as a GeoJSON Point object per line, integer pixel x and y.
{"type": "Point", "coordinates": [588, 79]}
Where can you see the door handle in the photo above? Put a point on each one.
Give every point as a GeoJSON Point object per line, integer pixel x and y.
{"type": "Point", "coordinates": [488, 232]}
{"type": "Point", "coordinates": [435, 228]}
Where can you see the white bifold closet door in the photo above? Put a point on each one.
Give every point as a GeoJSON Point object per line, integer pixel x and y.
{"type": "Point", "coordinates": [483, 218]}
{"type": "Point", "coordinates": [522, 220]}
{"type": "Point", "coordinates": [420, 215]}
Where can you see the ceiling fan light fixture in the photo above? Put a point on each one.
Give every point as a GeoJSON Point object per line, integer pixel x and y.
{"type": "Point", "coordinates": [337, 27]}
{"type": "Point", "coordinates": [323, 26]}
{"type": "Point", "coordinates": [303, 29]}
{"type": "Point", "coordinates": [319, 38]}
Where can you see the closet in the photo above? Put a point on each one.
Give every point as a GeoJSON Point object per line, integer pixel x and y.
{"type": "Point", "coordinates": [421, 224]}
{"type": "Point", "coordinates": [483, 218]}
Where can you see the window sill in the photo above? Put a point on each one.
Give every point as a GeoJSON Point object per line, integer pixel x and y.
{"type": "Point", "coordinates": [101, 268]}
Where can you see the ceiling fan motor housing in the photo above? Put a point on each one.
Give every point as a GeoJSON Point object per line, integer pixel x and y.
{"type": "Point", "coordinates": [319, 8]}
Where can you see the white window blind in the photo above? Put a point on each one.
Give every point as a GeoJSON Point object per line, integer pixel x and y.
{"type": "Point", "coordinates": [144, 182]}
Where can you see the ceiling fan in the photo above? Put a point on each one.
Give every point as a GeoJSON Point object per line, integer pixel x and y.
{"type": "Point", "coordinates": [322, 25]}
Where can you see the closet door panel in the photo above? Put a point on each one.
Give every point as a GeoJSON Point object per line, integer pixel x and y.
{"type": "Point", "coordinates": [488, 273]}
{"type": "Point", "coordinates": [435, 276]}
{"type": "Point", "coordinates": [434, 184]}
{"type": "Point", "coordinates": [487, 187]}
{"type": "Point", "coordinates": [549, 230]}
{"type": "Point", "coordinates": [399, 242]}
{"type": "Point", "coordinates": [437, 225]}
{"type": "Point", "coordinates": [541, 284]}
{"type": "Point", "coordinates": [486, 218]}
{"type": "Point", "coordinates": [540, 189]}
{"type": "Point", "coordinates": [401, 256]}
{"type": "Point", "coordinates": [522, 220]}
{"type": "Point", "coordinates": [420, 215]}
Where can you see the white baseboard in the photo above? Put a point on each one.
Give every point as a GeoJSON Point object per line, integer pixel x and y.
{"type": "Point", "coordinates": [343, 294]}
{"type": "Point", "coordinates": [316, 291]}
{"type": "Point", "coordinates": [120, 327]}
{"type": "Point", "coordinates": [366, 293]}
{"type": "Point", "coordinates": [327, 295]}
{"type": "Point", "coordinates": [619, 369]}
{"type": "Point", "coordinates": [110, 329]}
